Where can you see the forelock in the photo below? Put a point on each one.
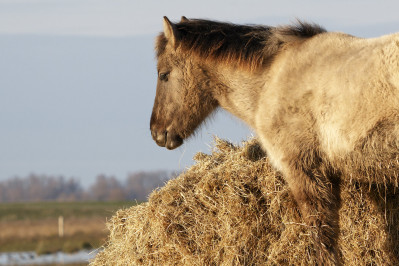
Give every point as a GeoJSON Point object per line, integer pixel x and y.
{"type": "Point", "coordinates": [160, 44]}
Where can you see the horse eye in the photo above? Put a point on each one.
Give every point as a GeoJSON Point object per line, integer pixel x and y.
{"type": "Point", "coordinates": [164, 76]}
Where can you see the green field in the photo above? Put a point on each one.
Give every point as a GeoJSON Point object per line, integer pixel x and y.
{"type": "Point", "coordinates": [34, 226]}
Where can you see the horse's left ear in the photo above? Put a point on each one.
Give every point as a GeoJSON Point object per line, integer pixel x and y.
{"type": "Point", "coordinates": [170, 31]}
{"type": "Point", "coordinates": [184, 19]}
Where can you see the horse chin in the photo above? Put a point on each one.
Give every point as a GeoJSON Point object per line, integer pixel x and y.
{"type": "Point", "coordinates": [167, 139]}
{"type": "Point", "coordinates": [173, 141]}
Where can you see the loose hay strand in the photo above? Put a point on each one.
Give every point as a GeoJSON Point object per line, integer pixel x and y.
{"type": "Point", "coordinates": [232, 208]}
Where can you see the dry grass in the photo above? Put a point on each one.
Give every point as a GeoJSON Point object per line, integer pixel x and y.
{"type": "Point", "coordinates": [42, 235]}
{"type": "Point", "coordinates": [34, 226]}
{"type": "Point", "coordinates": [49, 227]}
{"type": "Point", "coordinates": [231, 208]}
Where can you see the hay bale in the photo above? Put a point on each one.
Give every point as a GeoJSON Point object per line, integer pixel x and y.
{"type": "Point", "coordinates": [231, 208]}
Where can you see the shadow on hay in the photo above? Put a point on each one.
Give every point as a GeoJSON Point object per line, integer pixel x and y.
{"type": "Point", "coordinates": [386, 200]}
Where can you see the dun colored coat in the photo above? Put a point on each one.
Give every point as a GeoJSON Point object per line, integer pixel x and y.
{"type": "Point", "coordinates": [324, 105]}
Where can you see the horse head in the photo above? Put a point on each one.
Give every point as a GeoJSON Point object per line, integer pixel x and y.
{"type": "Point", "coordinates": [183, 96]}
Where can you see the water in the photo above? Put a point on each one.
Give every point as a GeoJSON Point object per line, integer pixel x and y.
{"type": "Point", "coordinates": [31, 258]}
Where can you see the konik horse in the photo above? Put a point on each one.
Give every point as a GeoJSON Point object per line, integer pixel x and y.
{"type": "Point", "coordinates": [325, 105]}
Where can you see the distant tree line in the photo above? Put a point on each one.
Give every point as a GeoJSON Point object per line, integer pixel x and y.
{"type": "Point", "coordinates": [137, 186]}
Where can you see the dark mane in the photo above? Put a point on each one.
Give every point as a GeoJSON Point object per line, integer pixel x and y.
{"type": "Point", "coordinates": [250, 46]}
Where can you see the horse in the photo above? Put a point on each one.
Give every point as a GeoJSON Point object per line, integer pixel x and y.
{"type": "Point", "coordinates": [324, 105]}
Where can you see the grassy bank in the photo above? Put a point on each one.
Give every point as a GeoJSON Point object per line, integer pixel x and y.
{"type": "Point", "coordinates": [34, 226]}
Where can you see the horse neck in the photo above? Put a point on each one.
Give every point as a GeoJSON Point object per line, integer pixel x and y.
{"type": "Point", "coordinates": [238, 90]}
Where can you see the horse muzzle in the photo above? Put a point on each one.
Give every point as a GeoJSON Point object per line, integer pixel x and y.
{"type": "Point", "coordinates": [167, 139]}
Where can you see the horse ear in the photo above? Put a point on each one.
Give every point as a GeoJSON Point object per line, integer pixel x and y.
{"type": "Point", "coordinates": [184, 19]}
{"type": "Point", "coordinates": [170, 31]}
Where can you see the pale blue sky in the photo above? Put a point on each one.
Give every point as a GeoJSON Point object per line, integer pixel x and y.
{"type": "Point", "coordinates": [77, 78]}
{"type": "Point", "coordinates": [132, 17]}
